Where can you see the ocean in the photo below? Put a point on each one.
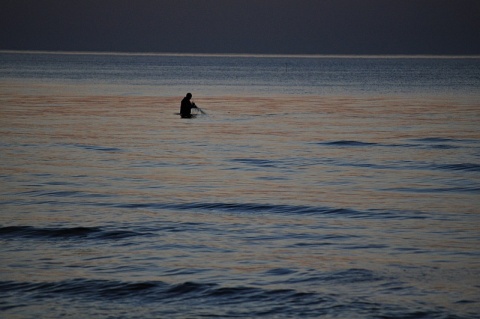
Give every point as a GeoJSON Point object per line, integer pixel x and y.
{"type": "Point", "coordinates": [314, 186]}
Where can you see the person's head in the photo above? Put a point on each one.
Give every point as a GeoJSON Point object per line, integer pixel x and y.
{"type": "Point", "coordinates": [189, 96]}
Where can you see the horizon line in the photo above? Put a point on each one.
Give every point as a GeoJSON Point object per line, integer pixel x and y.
{"type": "Point", "coordinates": [254, 55]}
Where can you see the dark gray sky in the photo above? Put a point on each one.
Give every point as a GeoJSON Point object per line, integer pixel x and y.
{"type": "Point", "coordinates": [243, 26]}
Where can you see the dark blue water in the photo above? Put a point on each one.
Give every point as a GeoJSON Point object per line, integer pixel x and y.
{"type": "Point", "coordinates": [167, 75]}
{"type": "Point", "coordinates": [313, 188]}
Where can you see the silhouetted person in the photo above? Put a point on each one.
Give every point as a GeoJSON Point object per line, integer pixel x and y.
{"type": "Point", "coordinates": [186, 106]}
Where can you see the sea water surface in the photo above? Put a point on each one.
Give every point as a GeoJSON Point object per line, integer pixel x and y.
{"type": "Point", "coordinates": [315, 187]}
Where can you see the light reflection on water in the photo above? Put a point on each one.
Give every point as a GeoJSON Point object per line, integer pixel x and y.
{"type": "Point", "coordinates": [269, 192]}
{"type": "Point", "coordinates": [235, 152]}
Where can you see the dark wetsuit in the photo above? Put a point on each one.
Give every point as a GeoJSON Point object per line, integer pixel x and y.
{"type": "Point", "coordinates": [186, 107]}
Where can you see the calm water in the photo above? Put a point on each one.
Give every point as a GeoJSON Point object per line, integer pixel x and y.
{"type": "Point", "coordinates": [314, 188]}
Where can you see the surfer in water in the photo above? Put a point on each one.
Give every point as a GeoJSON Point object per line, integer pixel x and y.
{"type": "Point", "coordinates": [186, 106]}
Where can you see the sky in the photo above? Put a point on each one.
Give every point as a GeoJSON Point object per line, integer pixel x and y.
{"type": "Point", "coordinates": [243, 26]}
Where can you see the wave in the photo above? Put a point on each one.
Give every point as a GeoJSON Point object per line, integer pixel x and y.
{"type": "Point", "coordinates": [75, 145]}
{"type": "Point", "coordinates": [256, 162]}
{"type": "Point", "coordinates": [87, 147]}
{"type": "Point", "coordinates": [347, 143]}
{"type": "Point", "coordinates": [62, 193]}
{"type": "Point", "coordinates": [101, 148]}
{"type": "Point", "coordinates": [244, 301]}
{"type": "Point", "coordinates": [427, 190]}
{"type": "Point", "coordinates": [256, 208]}
{"type": "Point", "coordinates": [64, 233]}
{"type": "Point", "coordinates": [148, 290]}
{"type": "Point", "coordinates": [443, 143]}
{"type": "Point", "coordinates": [349, 276]}
{"type": "Point", "coordinates": [159, 290]}
{"type": "Point", "coordinates": [429, 142]}
{"type": "Point", "coordinates": [225, 207]}
{"type": "Point", "coordinates": [468, 167]}
{"type": "Point", "coordinates": [411, 165]}
{"type": "Point", "coordinates": [434, 140]}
